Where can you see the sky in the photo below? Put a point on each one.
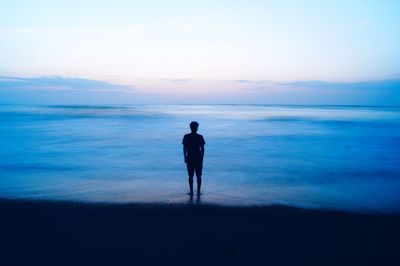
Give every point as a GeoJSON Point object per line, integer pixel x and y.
{"type": "Point", "coordinates": [275, 52]}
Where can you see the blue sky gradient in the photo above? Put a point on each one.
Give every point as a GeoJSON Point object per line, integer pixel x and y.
{"type": "Point", "coordinates": [334, 52]}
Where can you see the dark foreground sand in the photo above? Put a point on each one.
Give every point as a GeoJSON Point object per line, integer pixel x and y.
{"type": "Point", "coordinates": [62, 233]}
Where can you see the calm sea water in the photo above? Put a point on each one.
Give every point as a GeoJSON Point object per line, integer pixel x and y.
{"type": "Point", "coordinates": [344, 158]}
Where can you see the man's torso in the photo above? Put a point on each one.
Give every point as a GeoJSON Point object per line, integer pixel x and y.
{"type": "Point", "coordinates": [193, 143]}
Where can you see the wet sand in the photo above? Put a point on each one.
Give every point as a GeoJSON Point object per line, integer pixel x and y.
{"type": "Point", "coordinates": [67, 233]}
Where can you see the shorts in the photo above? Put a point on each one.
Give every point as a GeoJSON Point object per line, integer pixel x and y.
{"type": "Point", "coordinates": [194, 167]}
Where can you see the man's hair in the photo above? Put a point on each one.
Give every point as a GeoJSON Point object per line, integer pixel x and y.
{"type": "Point", "coordinates": [194, 126]}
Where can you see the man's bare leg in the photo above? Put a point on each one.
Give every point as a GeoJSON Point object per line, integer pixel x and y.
{"type": "Point", "coordinates": [191, 185]}
{"type": "Point", "coordinates": [198, 185]}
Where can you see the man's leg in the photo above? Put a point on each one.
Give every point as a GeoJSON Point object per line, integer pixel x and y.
{"type": "Point", "coordinates": [190, 169]}
{"type": "Point", "coordinates": [199, 171]}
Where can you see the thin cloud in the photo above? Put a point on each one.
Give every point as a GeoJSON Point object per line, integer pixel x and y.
{"type": "Point", "coordinates": [60, 83]}
{"type": "Point", "coordinates": [244, 81]}
{"type": "Point", "coordinates": [180, 80]}
{"type": "Point", "coordinates": [375, 84]}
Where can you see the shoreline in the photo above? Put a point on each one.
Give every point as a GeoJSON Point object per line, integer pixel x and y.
{"type": "Point", "coordinates": [195, 201]}
{"type": "Point", "coordinates": [72, 233]}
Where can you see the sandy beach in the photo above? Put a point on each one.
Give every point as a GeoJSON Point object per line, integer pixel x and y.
{"type": "Point", "coordinates": [67, 233]}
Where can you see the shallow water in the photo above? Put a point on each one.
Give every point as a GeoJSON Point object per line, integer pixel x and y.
{"type": "Point", "coordinates": [309, 156]}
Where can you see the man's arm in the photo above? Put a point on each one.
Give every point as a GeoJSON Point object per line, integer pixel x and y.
{"type": "Point", "coordinates": [202, 148]}
{"type": "Point", "coordinates": [185, 153]}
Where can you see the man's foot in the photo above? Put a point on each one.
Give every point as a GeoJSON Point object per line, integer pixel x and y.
{"type": "Point", "coordinates": [198, 193]}
{"type": "Point", "coordinates": [190, 193]}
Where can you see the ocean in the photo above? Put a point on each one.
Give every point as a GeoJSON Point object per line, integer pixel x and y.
{"type": "Point", "coordinates": [324, 157]}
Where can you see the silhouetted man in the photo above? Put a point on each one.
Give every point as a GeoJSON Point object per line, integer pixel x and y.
{"type": "Point", "coordinates": [193, 150]}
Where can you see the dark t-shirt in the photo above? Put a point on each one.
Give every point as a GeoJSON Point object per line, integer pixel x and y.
{"type": "Point", "coordinates": [192, 142]}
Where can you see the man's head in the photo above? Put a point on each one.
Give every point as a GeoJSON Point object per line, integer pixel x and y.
{"type": "Point", "coordinates": [194, 126]}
